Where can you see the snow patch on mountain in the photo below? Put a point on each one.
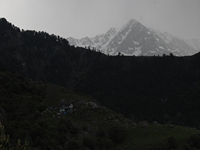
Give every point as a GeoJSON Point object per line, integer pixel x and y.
{"type": "Point", "coordinates": [137, 51]}
{"type": "Point", "coordinates": [136, 43]}
{"type": "Point", "coordinates": [161, 47]}
{"type": "Point", "coordinates": [148, 32]}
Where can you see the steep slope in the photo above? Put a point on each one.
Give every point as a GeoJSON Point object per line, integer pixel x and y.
{"type": "Point", "coordinates": [195, 43]}
{"type": "Point", "coordinates": [100, 42]}
{"type": "Point", "coordinates": [136, 39]}
{"type": "Point", "coordinates": [184, 47]}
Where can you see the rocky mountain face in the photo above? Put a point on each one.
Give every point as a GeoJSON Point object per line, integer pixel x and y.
{"type": "Point", "coordinates": [136, 39]}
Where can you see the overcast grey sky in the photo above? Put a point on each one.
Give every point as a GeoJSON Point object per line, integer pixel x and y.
{"type": "Point", "coordinates": [80, 18]}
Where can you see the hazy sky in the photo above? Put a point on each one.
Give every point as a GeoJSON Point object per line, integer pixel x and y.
{"type": "Point", "coordinates": [80, 18]}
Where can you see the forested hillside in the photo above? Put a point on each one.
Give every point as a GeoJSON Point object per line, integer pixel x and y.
{"type": "Point", "coordinates": [36, 116]}
{"type": "Point", "coordinates": [163, 89]}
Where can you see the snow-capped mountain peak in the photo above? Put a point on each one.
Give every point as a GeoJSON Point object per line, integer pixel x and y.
{"type": "Point", "coordinates": [129, 24]}
{"type": "Point", "coordinates": [132, 21]}
{"type": "Point", "coordinates": [136, 39]}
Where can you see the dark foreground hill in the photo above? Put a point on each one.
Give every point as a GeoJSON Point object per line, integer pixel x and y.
{"type": "Point", "coordinates": [33, 112]}
{"type": "Point", "coordinates": [163, 89]}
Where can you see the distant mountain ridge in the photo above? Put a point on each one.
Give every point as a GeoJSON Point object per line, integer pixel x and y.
{"type": "Point", "coordinates": [136, 39]}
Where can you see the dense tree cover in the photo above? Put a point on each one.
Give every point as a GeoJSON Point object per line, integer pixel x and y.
{"type": "Point", "coordinates": [157, 88]}
{"type": "Point", "coordinates": [30, 112]}
{"type": "Point", "coordinates": [163, 89]}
